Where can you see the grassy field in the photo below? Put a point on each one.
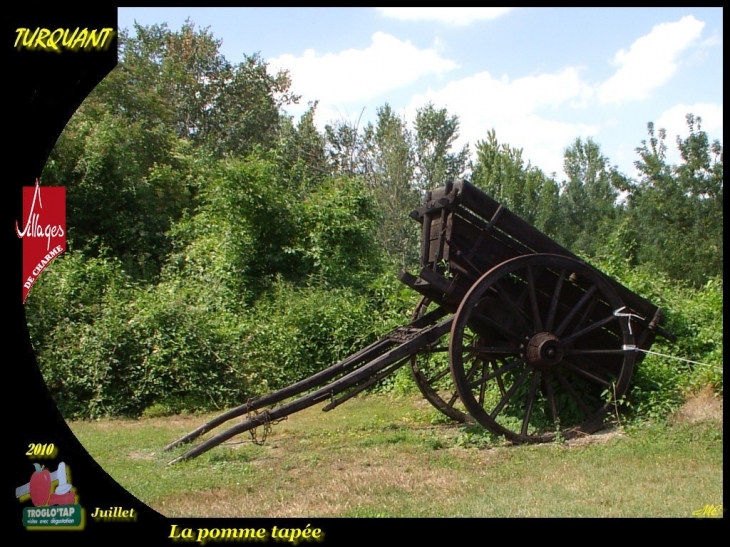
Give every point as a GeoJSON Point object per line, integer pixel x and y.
{"type": "Point", "coordinates": [378, 456]}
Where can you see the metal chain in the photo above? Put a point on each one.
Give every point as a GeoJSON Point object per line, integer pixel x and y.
{"type": "Point", "coordinates": [266, 426]}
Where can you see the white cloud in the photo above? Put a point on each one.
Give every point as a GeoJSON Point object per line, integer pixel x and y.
{"type": "Point", "coordinates": [674, 120]}
{"type": "Point", "coordinates": [358, 75]}
{"type": "Point", "coordinates": [650, 61]}
{"type": "Point", "coordinates": [498, 98]}
{"type": "Point", "coordinates": [450, 16]}
{"type": "Point", "coordinates": [711, 41]}
{"type": "Point", "coordinates": [510, 107]}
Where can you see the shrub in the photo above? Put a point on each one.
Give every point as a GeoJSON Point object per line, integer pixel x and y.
{"type": "Point", "coordinates": [695, 317]}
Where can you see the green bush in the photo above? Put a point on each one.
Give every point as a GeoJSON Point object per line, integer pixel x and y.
{"type": "Point", "coordinates": [107, 347]}
{"type": "Point", "coordinates": [299, 331]}
{"type": "Point", "coordinates": [695, 317]}
{"type": "Point", "coordinates": [336, 235]}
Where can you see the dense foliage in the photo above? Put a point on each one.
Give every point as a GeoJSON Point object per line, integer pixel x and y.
{"type": "Point", "coordinates": [219, 248]}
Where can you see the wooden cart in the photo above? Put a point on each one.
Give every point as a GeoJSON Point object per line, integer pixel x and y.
{"type": "Point", "coordinates": [513, 331]}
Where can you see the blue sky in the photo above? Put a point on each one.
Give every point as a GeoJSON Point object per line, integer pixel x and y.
{"type": "Point", "coordinates": [540, 77]}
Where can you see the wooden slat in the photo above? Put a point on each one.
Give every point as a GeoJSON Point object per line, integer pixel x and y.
{"type": "Point", "coordinates": [484, 206]}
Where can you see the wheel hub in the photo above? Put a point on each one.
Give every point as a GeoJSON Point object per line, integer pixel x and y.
{"type": "Point", "coordinates": [544, 350]}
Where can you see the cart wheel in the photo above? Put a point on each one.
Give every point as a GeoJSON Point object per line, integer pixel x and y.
{"type": "Point", "coordinates": [431, 372]}
{"type": "Point", "coordinates": [562, 357]}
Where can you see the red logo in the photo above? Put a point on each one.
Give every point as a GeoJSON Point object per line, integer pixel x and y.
{"type": "Point", "coordinates": [44, 230]}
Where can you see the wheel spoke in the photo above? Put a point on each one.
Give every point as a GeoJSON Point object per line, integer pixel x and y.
{"type": "Point", "coordinates": [586, 314]}
{"type": "Point", "coordinates": [605, 351]}
{"type": "Point", "coordinates": [518, 313]}
{"type": "Point", "coordinates": [420, 368]}
{"type": "Point", "coordinates": [590, 328]}
{"type": "Point", "coordinates": [506, 331]}
{"type": "Point", "coordinates": [500, 370]}
{"type": "Point", "coordinates": [587, 374]}
{"type": "Point", "coordinates": [440, 349]}
{"type": "Point", "coordinates": [537, 322]}
{"type": "Point", "coordinates": [473, 368]}
{"type": "Point", "coordinates": [574, 394]}
{"type": "Point", "coordinates": [438, 376]}
{"type": "Point", "coordinates": [575, 310]}
{"type": "Point", "coordinates": [469, 376]}
{"type": "Point", "coordinates": [551, 397]}
{"type": "Point", "coordinates": [483, 388]}
{"type": "Point", "coordinates": [587, 364]}
{"type": "Point", "coordinates": [494, 349]}
{"type": "Point", "coordinates": [500, 383]}
{"type": "Point", "coordinates": [554, 301]}
{"type": "Point", "coordinates": [530, 401]}
{"type": "Point", "coordinates": [523, 295]}
{"type": "Point", "coordinates": [510, 392]}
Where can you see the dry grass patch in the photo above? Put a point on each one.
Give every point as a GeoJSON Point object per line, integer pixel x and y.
{"type": "Point", "coordinates": [336, 485]}
{"type": "Point", "coordinates": [703, 406]}
{"type": "Point", "coordinates": [167, 422]}
{"type": "Point", "coordinates": [599, 437]}
{"type": "Point", "coordinates": [142, 455]}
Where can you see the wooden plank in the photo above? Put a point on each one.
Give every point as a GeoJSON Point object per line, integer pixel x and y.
{"type": "Point", "coordinates": [425, 239]}
{"type": "Point", "coordinates": [484, 206]}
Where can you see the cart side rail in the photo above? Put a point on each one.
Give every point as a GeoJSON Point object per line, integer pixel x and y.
{"type": "Point", "coordinates": [460, 218]}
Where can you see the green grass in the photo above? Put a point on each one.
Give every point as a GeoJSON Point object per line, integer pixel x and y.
{"type": "Point", "coordinates": [378, 456]}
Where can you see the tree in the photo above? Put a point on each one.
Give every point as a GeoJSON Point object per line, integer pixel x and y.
{"type": "Point", "coordinates": [346, 150]}
{"type": "Point", "coordinates": [588, 198]}
{"type": "Point", "coordinates": [242, 234]}
{"type": "Point", "coordinates": [381, 155]}
{"type": "Point", "coordinates": [391, 180]}
{"type": "Point", "coordinates": [678, 209]}
{"type": "Point", "coordinates": [128, 180]}
{"type": "Point", "coordinates": [435, 134]}
{"type": "Point", "coordinates": [247, 112]}
{"type": "Point", "coordinates": [132, 154]}
{"type": "Point", "coordinates": [301, 153]}
{"type": "Point", "coordinates": [524, 189]}
{"type": "Point", "coordinates": [701, 173]}
{"type": "Point", "coordinates": [229, 109]}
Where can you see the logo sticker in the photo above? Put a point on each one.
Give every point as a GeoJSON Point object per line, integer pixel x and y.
{"type": "Point", "coordinates": [54, 500]}
{"type": "Point", "coordinates": [43, 231]}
